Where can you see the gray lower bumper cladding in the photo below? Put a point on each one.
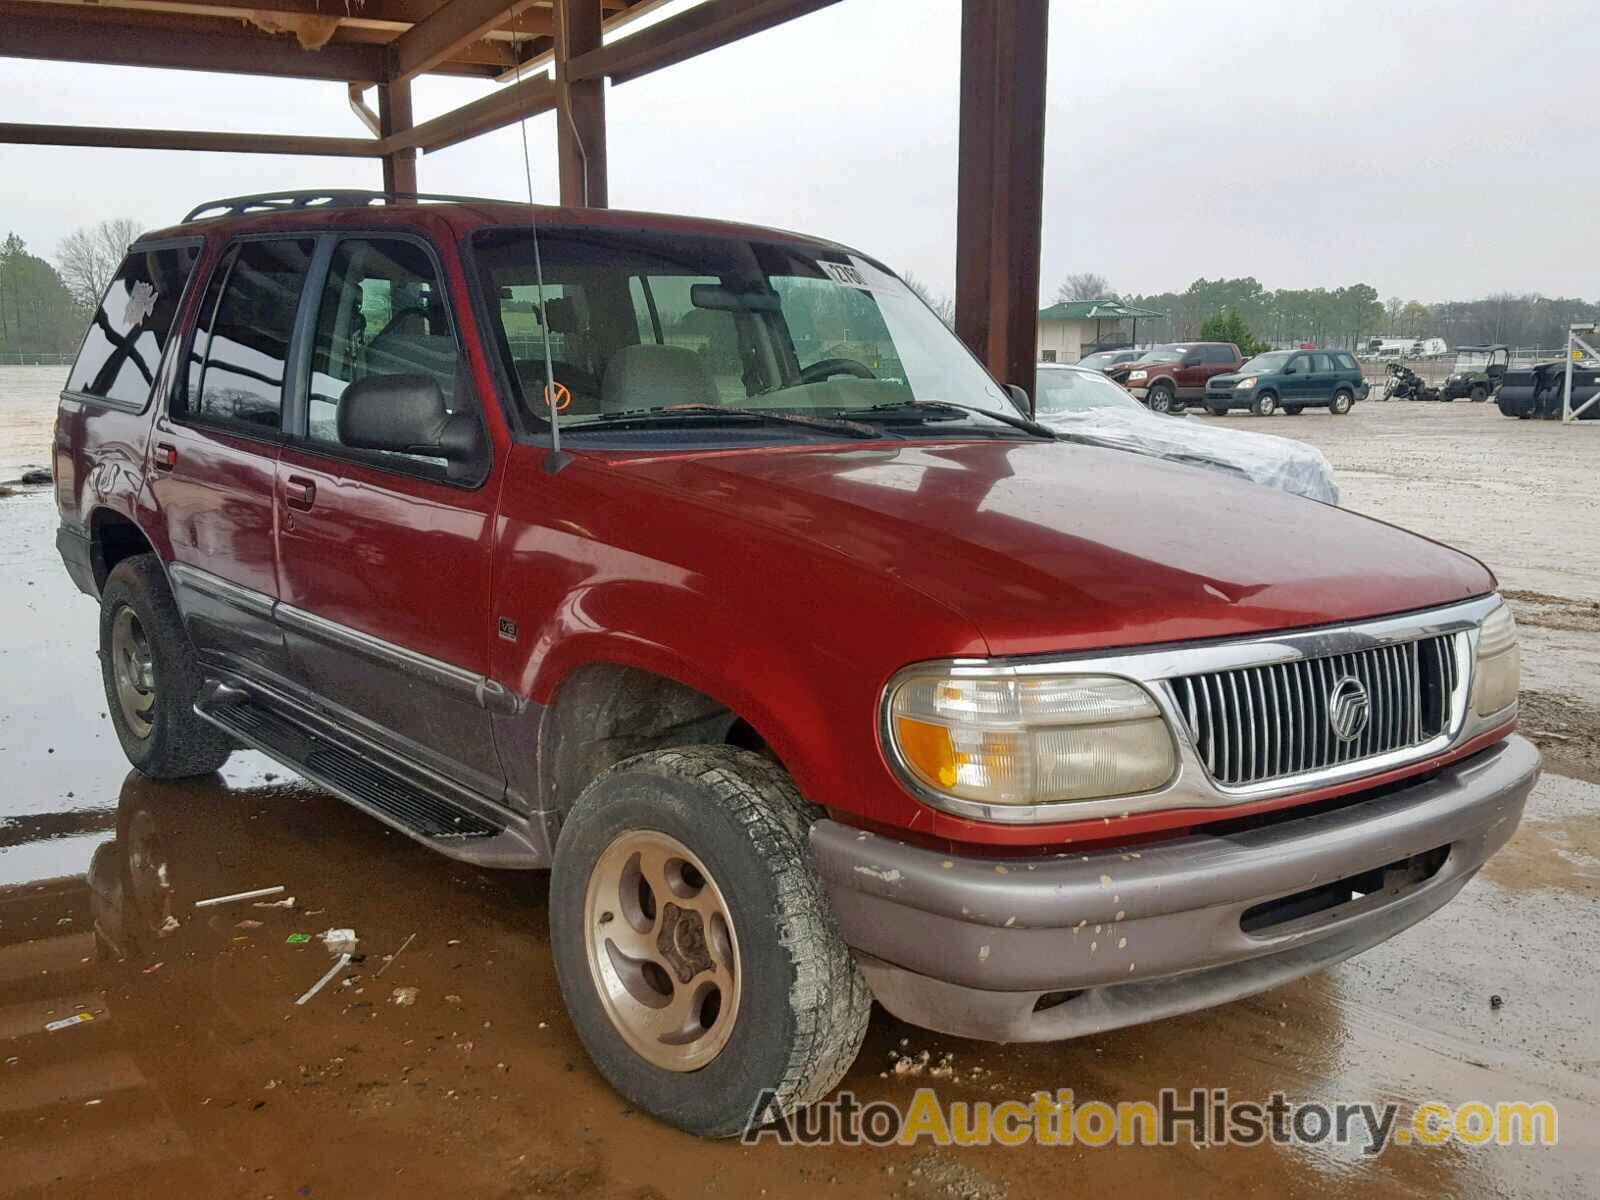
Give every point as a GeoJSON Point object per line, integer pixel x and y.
{"type": "Point", "coordinates": [1040, 949]}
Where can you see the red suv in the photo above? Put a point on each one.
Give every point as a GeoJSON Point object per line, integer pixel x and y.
{"type": "Point", "coordinates": [702, 565]}
{"type": "Point", "coordinates": [1168, 377]}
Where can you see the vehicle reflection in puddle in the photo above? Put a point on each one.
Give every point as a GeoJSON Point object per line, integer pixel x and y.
{"type": "Point", "coordinates": [196, 1073]}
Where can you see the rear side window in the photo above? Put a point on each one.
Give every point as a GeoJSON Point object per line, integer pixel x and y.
{"type": "Point", "coordinates": [1219, 354]}
{"type": "Point", "coordinates": [129, 331]}
{"type": "Point", "coordinates": [1322, 363]}
{"type": "Point", "coordinates": [242, 338]}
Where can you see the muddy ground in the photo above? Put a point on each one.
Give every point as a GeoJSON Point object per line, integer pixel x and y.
{"type": "Point", "coordinates": [198, 1075]}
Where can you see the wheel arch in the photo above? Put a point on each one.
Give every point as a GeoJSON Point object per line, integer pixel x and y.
{"type": "Point", "coordinates": [113, 537]}
{"type": "Point", "coordinates": [608, 708]}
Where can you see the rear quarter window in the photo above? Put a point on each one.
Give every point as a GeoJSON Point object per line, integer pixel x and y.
{"type": "Point", "coordinates": [1346, 362]}
{"type": "Point", "coordinates": [128, 332]}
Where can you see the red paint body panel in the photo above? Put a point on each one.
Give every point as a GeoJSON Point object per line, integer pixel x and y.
{"type": "Point", "coordinates": [788, 583]}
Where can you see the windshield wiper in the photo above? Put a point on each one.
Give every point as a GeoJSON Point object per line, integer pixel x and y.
{"type": "Point", "coordinates": [771, 416]}
{"type": "Point", "coordinates": [1016, 422]}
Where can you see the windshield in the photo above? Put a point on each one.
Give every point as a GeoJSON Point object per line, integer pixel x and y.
{"type": "Point", "coordinates": [1273, 360]}
{"type": "Point", "coordinates": [1062, 391]}
{"type": "Point", "coordinates": [691, 329]}
{"type": "Point", "coordinates": [1472, 360]}
{"type": "Point", "coordinates": [1163, 354]}
{"type": "Point", "coordinates": [1102, 359]}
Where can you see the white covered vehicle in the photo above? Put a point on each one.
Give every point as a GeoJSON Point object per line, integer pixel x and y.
{"type": "Point", "coordinates": [1084, 405]}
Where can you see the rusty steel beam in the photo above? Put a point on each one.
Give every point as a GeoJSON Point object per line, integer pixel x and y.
{"type": "Point", "coordinates": [505, 107]}
{"type": "Point", "coordinates": [391, 16]}
{"type": "Point", "coordinates": [394, 117]}
{"type": "Point", "coordinates": [455, 27]}
{"type": "Point", "coordinates": [31, 31]}
{"type": "Point", "coordinates": [999, 188]}
{"type": "Point", "coordinates": [106, 137]}
{"type": "Point", "coordinates": [706, 26]}
{"type": "Point", "coordinates": [581, 125]}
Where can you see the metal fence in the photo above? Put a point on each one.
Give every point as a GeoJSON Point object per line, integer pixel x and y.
{"type": "Point", "coordinates": [25, 358]}
{"type": "Point", "coordinates": [1434, 370]}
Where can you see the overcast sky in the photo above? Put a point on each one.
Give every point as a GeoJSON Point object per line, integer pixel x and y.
{"type": "Point", "coordinates": [1438, 150]}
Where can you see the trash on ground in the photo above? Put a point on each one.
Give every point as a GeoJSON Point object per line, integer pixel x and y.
{"type": "Point", "coordinates": [248, 924]}
{"type": "Point", "coordinates": [257, 894]}
{"type": "Point", "coordinates": [152, 968]}
{"type": "Point", "coordinates": [66, 1022]}
{"type": "Point", "coordinates": [286, 902]}
{"type": "Point", "coordinates": [340, 964]}
{"type": "Point", "coordinates": [168, 927]}
{"type": "Point", "coordinates": [405, 997]}
{"type": "Point", "coordinates": [339, 941]}
{"type": "Point", "coordinates": [390, 958]}
{"type": "Point", "coordinates": [297, 939]}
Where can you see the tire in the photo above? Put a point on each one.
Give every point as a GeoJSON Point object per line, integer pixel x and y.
{"type": "Point", "coordinates": [1294, 410]}
{"type": "Point", "coordinates": [1159, 399]}
{"type": "Point", "coordinates": [1265, 404]}
{"type": "Point", "coordinates": [1479, 393]}
{"type": "Point", "coordinates": [801, 1005]}
{"type": "Point", "coordinates": [1341, 403]}
{"type": "Point", "coordinates": [1217, 410]}
{"type": "Point", "coordinates": [151, 676]}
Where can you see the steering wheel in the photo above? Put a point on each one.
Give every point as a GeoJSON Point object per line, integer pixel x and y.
{"type": "Point", "coordinates": [826, 368]}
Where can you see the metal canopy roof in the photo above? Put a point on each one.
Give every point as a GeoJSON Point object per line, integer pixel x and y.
{"type": "Point", "coordinates": [554, 55]}
{"type": "Point", "coordinates": [1095, 310]}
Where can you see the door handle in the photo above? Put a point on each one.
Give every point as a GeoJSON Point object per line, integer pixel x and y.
{"type": "Point", "coordinates": [166, 456]}
{"type": "Point", "coordinates": [299, 492]}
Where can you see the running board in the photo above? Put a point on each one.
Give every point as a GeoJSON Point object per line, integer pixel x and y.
{"type": "Point", "coordinates": [403, 804]}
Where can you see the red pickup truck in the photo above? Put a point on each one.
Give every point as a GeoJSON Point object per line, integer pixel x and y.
{"type": "Point", "coordinates": [702, 565]}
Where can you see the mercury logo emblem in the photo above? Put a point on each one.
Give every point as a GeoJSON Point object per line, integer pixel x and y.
{"type": "Point", "coordinates": [1348, 708]}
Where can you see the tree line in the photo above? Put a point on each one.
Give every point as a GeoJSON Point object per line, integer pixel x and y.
{"type": "Point", "coordinates": [1346, 316]}
{"type": "Point", "coordinates": [45, 305]}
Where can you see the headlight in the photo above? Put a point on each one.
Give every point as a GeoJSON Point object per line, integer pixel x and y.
{"type": "Point", "coordinates": [1249, 381]}
{"type": "Point", "coordinates": [1132, 375]}
{"type": "Point", "coordinates": [1004, 740]}
{"type": "Point", "coordinates": [1497, 675]}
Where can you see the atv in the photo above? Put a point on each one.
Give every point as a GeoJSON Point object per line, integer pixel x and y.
{"type": "Point", "coordinates": [1477, 373]}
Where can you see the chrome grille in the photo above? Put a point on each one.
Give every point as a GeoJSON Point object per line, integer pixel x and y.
{"type": "Point", "coordinates": [1253, 724]}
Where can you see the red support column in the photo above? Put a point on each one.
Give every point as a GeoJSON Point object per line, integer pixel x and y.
{"type": "Point", "coordinates": [1000, 183]}
{"type": "Point", "coordinates": [580, 108]}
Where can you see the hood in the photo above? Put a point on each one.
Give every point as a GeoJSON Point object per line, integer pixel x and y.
{"type": "Point", "coordinates": [1221, 382]}
{"type": "Point", "coordinates": [1050, 547]}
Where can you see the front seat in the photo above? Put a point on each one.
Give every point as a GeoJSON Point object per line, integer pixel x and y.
{"type": "Point", "coordinates": [653, 376]}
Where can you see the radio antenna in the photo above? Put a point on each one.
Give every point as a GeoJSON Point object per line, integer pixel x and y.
{"type": "Point", "coordinates": [538, 270]}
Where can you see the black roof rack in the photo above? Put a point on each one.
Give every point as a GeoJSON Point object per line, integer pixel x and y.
{"type": "Point", "coordinates": [331, 198]}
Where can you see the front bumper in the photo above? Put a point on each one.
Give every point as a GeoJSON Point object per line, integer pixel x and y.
{"type": "Point", "coordinates": [1138, 389]}
{"type": "Point", "coordinates": [1072, 944]}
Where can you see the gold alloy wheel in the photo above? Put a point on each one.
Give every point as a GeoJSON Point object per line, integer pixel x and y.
{"type": "Point", "coordinates": [133, 669]}
{"type": "Point", "coordinates": [662, 950]}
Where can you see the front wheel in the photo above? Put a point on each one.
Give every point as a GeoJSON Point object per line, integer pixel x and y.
{"type": "Point", "coordinates": [1341, 402]}
{"type": "Point", "coordinates": [151, 676]}
{"type": "Point", "coordinates": [695, 948]}
{"type": "Point", "coordinates": [1479, 393]}
{"type": "Point", "coordinates": [1264, 405]}
{"type": "Point", "coordinates": [1160, 398]}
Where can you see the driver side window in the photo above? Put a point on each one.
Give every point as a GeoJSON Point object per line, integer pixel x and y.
{"type": "Point", "coordinates": [383, 312]}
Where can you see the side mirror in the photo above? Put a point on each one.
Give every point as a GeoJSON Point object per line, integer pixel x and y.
{"type": "Point", "coordinates": [1019, 398]}
{"type": "Point", "coordinates": [405, 414]}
